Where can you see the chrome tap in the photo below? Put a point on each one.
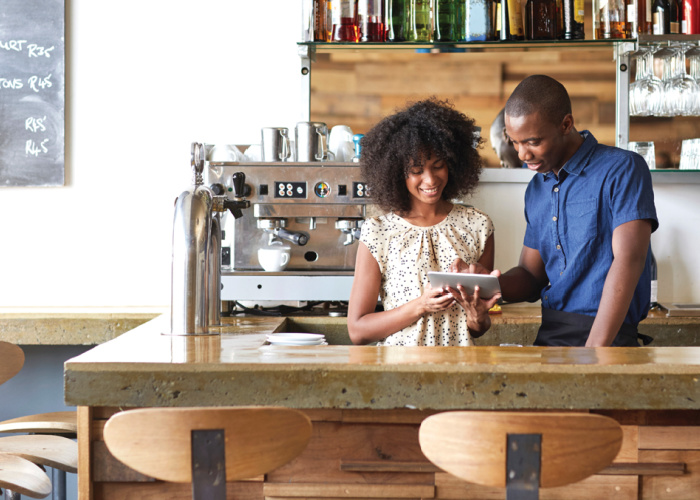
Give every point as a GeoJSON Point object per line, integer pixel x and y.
{"type": "Point", "coordinates": [196, 253]}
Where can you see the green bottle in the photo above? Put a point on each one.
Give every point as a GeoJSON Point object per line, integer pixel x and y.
{"type": "Point", "coordinates": [420, 21]}
{"type": "Point", "coordinates": [397, 20]}
{"type": "Point", "coordinates": [449, 20]}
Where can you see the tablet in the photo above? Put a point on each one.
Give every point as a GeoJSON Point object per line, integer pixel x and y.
{"type": "Point", "coordinates": [488, 284]}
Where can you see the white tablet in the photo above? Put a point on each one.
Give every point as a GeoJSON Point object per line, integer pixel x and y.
{"type": "Point", "coordinates": [488, 285]}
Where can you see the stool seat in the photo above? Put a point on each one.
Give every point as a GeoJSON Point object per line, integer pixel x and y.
{"type": "Point", "coordinates": [23, 477]}
{"type": "Point", "coordinates": [157, 441]}
{"type": "Point", "coordinates": [52, 451]}
{"type": "Point", "coordinates": [12, 358]}
{"type": "Point", "coordinates": [57, 422]}
{"type": "Point", "coordinates": [472, 445]}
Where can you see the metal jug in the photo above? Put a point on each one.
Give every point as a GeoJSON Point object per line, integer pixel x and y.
{"type": "Point", "coordinates": [275, 144]}
{"type": "Point", "coordinates": [311, 139]}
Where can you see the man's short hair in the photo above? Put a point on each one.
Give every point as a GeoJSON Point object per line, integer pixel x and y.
{"type": "Point", "coordinates": [539, 93]}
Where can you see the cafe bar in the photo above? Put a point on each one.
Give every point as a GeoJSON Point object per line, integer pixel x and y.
{"type": "Point", "coordinates": [360, 249]}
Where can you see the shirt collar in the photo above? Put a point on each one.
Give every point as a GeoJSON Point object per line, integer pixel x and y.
{"type": "Point", "coordinates": [581, 157]}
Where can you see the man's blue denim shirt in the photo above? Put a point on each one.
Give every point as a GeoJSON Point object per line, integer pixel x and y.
{"type": "Point", "coordinates": [571, 218]}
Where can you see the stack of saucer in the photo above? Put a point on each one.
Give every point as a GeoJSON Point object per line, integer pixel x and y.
{"type": "Point", "coordinates": [306, 339]}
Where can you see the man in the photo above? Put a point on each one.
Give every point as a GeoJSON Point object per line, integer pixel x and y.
{"type": "Point", "coordinates": [590, 214]}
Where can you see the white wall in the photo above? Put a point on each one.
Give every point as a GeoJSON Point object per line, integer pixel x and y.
{"type": "Point", "coordinates": [144, 80]}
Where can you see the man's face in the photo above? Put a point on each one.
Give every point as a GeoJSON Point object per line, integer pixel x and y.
{"type": "Point", "coordinates": [539, 142]}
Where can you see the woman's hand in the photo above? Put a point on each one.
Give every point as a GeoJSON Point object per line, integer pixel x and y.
{"type": "Point", "coordinates": [477, 309]}
{"type": "Point", "coordinates": [435, 299]}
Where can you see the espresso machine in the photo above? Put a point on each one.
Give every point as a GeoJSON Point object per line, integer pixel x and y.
{"type": "Point", "coordinates": [314, 208]}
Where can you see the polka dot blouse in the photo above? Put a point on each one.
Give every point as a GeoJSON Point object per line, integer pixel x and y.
{"type": "Point", "coordinates": [405, 253]}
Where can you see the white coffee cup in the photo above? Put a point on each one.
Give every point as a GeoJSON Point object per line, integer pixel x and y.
{"type": "Point", "coordinates": [274, 258]}
{"type": "Point", "coordinates": [340, 134]}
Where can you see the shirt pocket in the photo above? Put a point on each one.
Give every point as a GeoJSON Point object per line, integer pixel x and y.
{"type": "Point", "coordinates": [582, 222]}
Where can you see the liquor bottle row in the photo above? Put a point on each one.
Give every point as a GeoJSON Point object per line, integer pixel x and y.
{"type": "Point", "coordinates": [482, 20]}
{"type": "Point", "coordinates": [441, 20]}
{"type": "Point", "coordinates": [626, 18]}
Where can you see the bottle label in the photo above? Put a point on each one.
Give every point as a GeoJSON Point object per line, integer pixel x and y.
{"type": "Point", "coordinates": [675, 28]}
{"type": "Point", "coordinates": [631, 13]}
{"type": "Point", "coordinates": [648, 6]}
{"type": "Point", "coordinates": [579, 11]}
{"type": "Point", "coordinates": [515, 17]}
{"type": "Point", "coordinates": [657, 28]}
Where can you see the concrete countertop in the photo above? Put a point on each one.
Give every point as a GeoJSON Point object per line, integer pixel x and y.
{"type": "Point", "coordinates": [70, 326]}
{"type": "Point", "coordinates": [144, 367]}
{"type": "Point", "coordinates": [518, 323]}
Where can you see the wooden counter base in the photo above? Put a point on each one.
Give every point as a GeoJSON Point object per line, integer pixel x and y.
{"type": "Point", "coordinates": [375, 455]}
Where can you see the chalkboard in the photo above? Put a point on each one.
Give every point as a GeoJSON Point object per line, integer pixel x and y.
{"type": "Point", "coordinates": [32, 92]}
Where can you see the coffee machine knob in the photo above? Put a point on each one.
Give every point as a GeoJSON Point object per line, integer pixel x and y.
{"type": "Point", "coordinates": [218, 189]}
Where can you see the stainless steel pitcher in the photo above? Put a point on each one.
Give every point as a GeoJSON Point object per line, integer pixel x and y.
{"type": "Point", "coordinates": [311, 139]}
{"type": "Point", "coordinates": [275, 144]}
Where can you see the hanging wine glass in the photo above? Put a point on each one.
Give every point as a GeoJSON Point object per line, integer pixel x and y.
{"type": "Point", "coordinates": [693, 57]}
{"type": "Point", "coordinates": [683, 89]}
{"type": "Point", "coordinates": [646, 91]}
{"type": "Point", "coordinates": [666, 60]}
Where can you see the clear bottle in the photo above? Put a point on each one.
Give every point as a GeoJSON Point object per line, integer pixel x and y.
{"type": "Point", "coordinates": [420, 21]}
{"type": "Point", "coordinates": [541, 19]}
{"type": "Point", "coordinates": [449, 25]}
{"type": "Point", "coordinates": [609, 19]}
{"type": "Point", "coordinates": [573, 19]}
{"type": "Point", "coordinates": [345, 22]}
{"type": "Point", "coordinates": [661, 17]}
{"type": "Point", "coordinates": [511, 20]}
{"type": "Point", "coordinates": [371, 20]}
{"type": "Point", "coordinates": [479, 23]}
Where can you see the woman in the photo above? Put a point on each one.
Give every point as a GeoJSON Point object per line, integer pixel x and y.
{"type": "Point", "coordinates": [415, 161]}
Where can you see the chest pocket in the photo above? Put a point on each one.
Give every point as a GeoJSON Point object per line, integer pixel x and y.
{"type": "Point", "coordinates": [581, 222]}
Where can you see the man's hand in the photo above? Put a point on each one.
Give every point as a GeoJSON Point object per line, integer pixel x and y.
{"type": "Point", "coordinates": [459, 266]}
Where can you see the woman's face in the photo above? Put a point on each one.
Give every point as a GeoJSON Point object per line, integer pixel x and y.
{"type": "Point", "coordinates": [425, 182]}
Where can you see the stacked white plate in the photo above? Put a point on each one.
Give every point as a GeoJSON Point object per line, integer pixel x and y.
{"type": "Point", "coordinates": [306, 339]}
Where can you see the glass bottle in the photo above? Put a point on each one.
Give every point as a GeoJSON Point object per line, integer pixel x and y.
{"type": "Point", "coordinates": [345, 23]}
{"type": "Point", "coordinates": [420, 21]}
{"type": "Point", "coordinates": [661, 17]}
{"type": "Point", "coordinates": [321, 15]}
{"type": "Point", "coordinates": [644, 19]}
{"type": "Point", "coordinates": [478, 21]}
{"type": "Point", "coordinates": [397, 20]}
{"type": "Point", "coordinates": [573, 19]}
{"type": "Point", "coordinates": [691, 17]}
{"type": "Point", "coordinates": [496, 19]}
{"type": "Point", "coordinates": [541, 19]}
{"type": "Point", "coordinates": [632, 18]}
{"type": "Point", "coordinates": [676, 16]}
{"type": "Point", "coordinates": [371, 20]}
{"type": "Point", "coordinates": [609, 19]}
{"type": "Point", "coordinates": [654, 299]}
{"type": "Point", "coordinates": [329, 20]}
{"type": "Point", "coordinates": [447, 21]}
{"type": "Point", "coordinates": [511, 20]}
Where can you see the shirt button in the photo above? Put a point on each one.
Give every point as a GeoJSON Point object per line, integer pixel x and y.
{"type": "Point", "coordinates": [558, 247]}
{"type": "Point", "coordinates": [556, 190]}
{"type": "Point", "coordinates": [561, 273]}
{"type": "Point", "coordinates": [554, 218]}
{"type": "Point", "coordinates": [546, 297]}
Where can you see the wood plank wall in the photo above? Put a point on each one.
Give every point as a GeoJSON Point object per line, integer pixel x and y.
{"type": "Point", "coordinates": [358, 88]}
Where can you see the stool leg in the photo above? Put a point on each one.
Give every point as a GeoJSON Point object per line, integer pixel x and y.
{"type": "Point", "coordinates": [11, 495]}
{"type": "Point", "coordinates": [59, 484]}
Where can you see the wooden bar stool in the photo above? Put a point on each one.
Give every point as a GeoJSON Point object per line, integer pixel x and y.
{"type": "Point", "coordinates": [207, 446]}
{"type": "Point", "coordinates": [61, 453]}
{"type": "Point", "coordinates": [522, 451]}
{"type": "Point", "coordinates": [21, 477]}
